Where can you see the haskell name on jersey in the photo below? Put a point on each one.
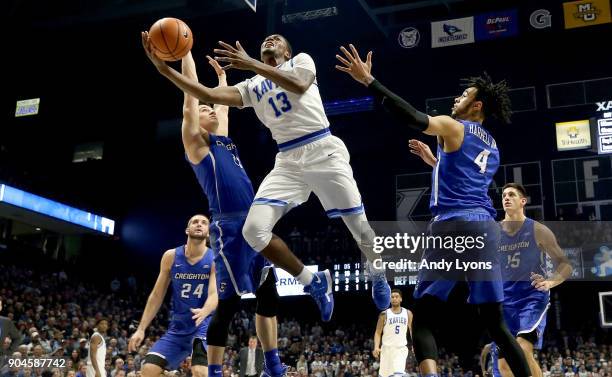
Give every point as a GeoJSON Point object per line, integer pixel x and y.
{"type": "Point", "coordinates": [185, 276]}
{"type": "Point", "coordinates": [482, 135]}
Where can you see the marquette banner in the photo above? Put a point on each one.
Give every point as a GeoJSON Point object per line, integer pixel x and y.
{"type": "Point", "coordinates": [573, 135]}
{"type": "Point", "coordinates": [496, 25]}
{"type": "Point", "coordinates": [586, 13]}
{"type": "Point", "coordinates": [452, 32]}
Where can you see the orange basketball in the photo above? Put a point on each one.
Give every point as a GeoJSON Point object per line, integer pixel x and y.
{"type": "Point", "coordinates": [171, 39]}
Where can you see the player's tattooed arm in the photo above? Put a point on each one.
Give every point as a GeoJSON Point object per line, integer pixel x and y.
{"type": "Point", "coordinates": [227, 95]}
{"type": "Point", "coordinates": [548, 243]}
{"type": "Point", "coordinates": [378, 333]}
{"type": "Point", "coordinates": [237, 58]}
{"type": "Point", "coordinates": [222, 111]}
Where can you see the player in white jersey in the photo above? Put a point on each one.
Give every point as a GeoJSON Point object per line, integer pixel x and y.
{"type": "Point", "coordinates": [285, 95]}
{"type": "Point", "coordinates": [393, 328]}
{"type": "Point", "coordinates": [97, 350]}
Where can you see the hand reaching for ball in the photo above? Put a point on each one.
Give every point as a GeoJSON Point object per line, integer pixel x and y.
{"type": "Point", "coordinates": [218, 70]}
{"type": "Point", "coordinates": [146, 44]}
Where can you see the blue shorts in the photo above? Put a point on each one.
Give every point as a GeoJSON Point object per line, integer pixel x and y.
{"type": "Point", "coordinates": [239, 268]}
{"type": "Point", "coordinates": [174, 348]}
{"type": "Point", "coordinates": [485, 284]}
{"type": "Point", "coordinates": [527, 315]}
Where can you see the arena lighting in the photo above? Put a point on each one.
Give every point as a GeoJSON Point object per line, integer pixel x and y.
{"type": "Point", "coordinates": [287, 285]}
{"type": "Point", "coordinates": [27, 107]}
{"type": "Point", "coordinates": [309, 15]}
{"type": "Point", "coordinates": [22, 199]}
{"type": "Point", "coordinates": [354, 105]}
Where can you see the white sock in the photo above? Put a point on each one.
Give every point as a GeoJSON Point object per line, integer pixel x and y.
{"type": "Point", "coordinates": [305, 277]}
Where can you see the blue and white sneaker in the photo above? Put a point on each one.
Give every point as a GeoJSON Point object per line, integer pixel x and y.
{"type": "Point", "coordinates": [321, 291]}
{"type": "Point", "coordinates": [266, 372]}
{"type": "Point", "coordinates": [381, 291]}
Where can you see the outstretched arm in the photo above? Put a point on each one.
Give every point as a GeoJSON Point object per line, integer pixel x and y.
{"type": "Point", "coordinates": [195, 139]}
{"type": "Point", "coordinates": [548, 243]}
{"type": "Point", "coordinates": [359, 70]}
{"type": "Point", "coordinates": [422, 150]}
{"type": "Point", "coordinates": [227, 95]}
{"type": "Point", "coordinates": [237, 57]}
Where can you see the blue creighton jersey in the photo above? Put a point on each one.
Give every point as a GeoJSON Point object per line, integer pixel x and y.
{"type": "Point", "coordinates": [461, 179]}
{"type": "Point", "coordinates": [223, 178]}
{"type": "Point", "coordinates": [520, 257]}
{"type": "Point", "coordinates": [189, 289]}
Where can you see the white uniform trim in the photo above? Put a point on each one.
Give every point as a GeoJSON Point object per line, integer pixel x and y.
{"type": "Point", "coordinates": [214, 164]}
{"type": "Point", "coordinates": [157, 354]}
{"type": "Point", "coordinates": [535, 326]}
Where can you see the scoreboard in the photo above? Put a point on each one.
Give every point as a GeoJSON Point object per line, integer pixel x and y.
{"type": "Point", "coordinates": [350, 277]}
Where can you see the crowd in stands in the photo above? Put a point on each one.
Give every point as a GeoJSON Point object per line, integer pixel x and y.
{"type": "Point", "coordinates": [56, 314]}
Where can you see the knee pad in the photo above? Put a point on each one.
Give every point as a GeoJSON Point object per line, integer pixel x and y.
{"type": "Point", "coordinates": [254, 233]}
{"type": "Point", "coordinates": [216, 335]}
{"type": "Point", "coordinates": [267, 297]}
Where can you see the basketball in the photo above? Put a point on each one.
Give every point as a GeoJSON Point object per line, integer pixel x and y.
{"type": "Point", "coordinates": [171, 39]}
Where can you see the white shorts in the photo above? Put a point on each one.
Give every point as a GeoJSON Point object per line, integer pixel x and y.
{"type": "Point", "coordinates": [392, 361]}
{"type": "Point", "coordinates": [321, 167]}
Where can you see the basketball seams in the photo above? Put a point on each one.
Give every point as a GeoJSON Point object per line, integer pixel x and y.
{"type": "Point", "coordinates": [189, 43]}
{"type": "Point", "coordinates": [161, 34]}
{"type": "Point", "coordinates": [161, 29]}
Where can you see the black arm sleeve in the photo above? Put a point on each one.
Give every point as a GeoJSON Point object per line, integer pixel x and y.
{"type": "Point", "coordinates": [399, 107]}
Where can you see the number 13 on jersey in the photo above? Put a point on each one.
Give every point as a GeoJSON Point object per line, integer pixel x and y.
{"type": "Point", "coordinates": [281, 104]}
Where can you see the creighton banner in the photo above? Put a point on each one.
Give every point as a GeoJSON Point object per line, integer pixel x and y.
{"type": "Point", "coordinates": [586, 13]}
{"type": "Point", "coordinates": [452, 32]}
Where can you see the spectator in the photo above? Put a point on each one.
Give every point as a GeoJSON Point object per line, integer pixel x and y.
{"type": "Point", "coordinates": [82, 370]}
{"type": "Point", "coordinates": [119, 364]}
{"type": "Point", "coordinates": [302, 365]}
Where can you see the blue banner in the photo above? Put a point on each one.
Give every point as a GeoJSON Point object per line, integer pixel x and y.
{"type": "Point", "coordinates": [496, 25]}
